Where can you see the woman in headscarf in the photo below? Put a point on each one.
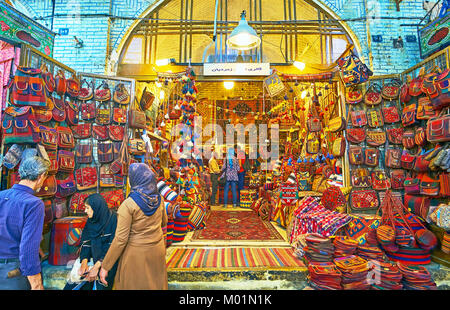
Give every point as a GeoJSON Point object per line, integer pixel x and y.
{"type": "Point", "coordinates": [96, 239]}
{"type": "Point", "coordinates": [230, 171]}
{"type": "Point", "coordinates": [139, 243]}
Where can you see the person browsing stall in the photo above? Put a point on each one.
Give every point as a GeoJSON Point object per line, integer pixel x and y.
{"type": "Point", "coordinates": [214, 172]}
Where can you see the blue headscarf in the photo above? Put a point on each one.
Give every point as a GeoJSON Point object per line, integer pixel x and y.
{"type": "Point", "coordinates": [230, 157]}
{"type": "Point", "coordinates": [143, 188]}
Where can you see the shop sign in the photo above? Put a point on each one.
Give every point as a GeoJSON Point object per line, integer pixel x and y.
{"type": "Point", "coordinates": [15, 26]}
{"type": "Point", "coordinates": [274, 85]}
{"type": "Point", "coordinates": [63, 31]}
{"type": "Point", "coordinates": [435, 36]}
{"type": "Point", "coordinates": [234, 69]}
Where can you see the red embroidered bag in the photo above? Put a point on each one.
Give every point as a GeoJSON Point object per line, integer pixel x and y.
{"type": "Point", "coordinates": [65, 138]}
{"type": "Point", "coordinates": [391, 90]}
{"type": "Point", "coordinates": [100, 133]}
{"type": "Point", "coordinates": [354, 95]}
{"type": "Point", "coordinates": [86, 90]}
{"type": "Point", "coordinates": [116, 133]}
{"type": "Point", "coordinates": [438, 129]}
{"type": "Point", "coordinates": [82, 131]}
{"type": "Point", "coordinates": [61, 83]}
{"type": "Point", "coordinates": [53, 156]}
{"type": "Point", "coordinates": [103, 94]}
{"type": "Point", "coordinates": [27, 88]}
{"type": "Point", "coordinates": [59, 110]}
{"type": "Point", "coordinates": [437, 87]}
{"type": "Point", "coordinates": [380, 181]}
{"type": "Point", "coordinates": [86, 178]}
{"type": "Point", "coordinates": [363, 200]}
{"type": "Point", "coordinates": [405, 97]}
{"type": "Point", "coordinates": [356, 135]}
{"type": "Point", "coordinates": [398, 177]}
{"type": "Point", "coordinates": [407, 160]}
{"type": "Point", "coordinates": [409, 115]}
{"type": "Point", "coordinates": [375, 137]}
{"type": "Point", "coordinates": [120, 115]}
{"type": "Point", "coordinates": [66, 161]}
{"type": "Point", "coordinates": [113, 198]}
{"type": "Point", "coordinates": [408, 139]}
{"type": "Point", "coordinates": [73, 86]}
{"type": "Point", "coordinates": [88, 111]}
{"type": "Point", "coordinates": [395, 135]}
{"type": "Point", "coordinates": [424, 109]}
{"type": "Point", "coordinates": [49, 137]}
{"type": "Point", "coordinates": [373, 95]}
{"type": "Point", "coordinates": [20, 126]}
{"type": "Point", "coordinates": [391, 114]}
{"type": "Point", "coordinates": [72, 112]}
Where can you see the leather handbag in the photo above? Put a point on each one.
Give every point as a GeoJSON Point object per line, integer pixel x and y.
{"type": "Point", "coordinates": [363, 200]}
{"type": "Point", "coordinates": [339, 147]}
{"type": "Point", "coordinates": [59, 110]}
{"type": "Point", "coordinates": [375, 138]}
{"type": "Point", "coordinates": [408, 139]}
{"type": "Point", "coordinates": [407, 160]}
{"type": "Point", "coordinates": [27, 88]}
{"type": "Point", "coordinates": [65, 138]}
{"type": "Point", "coordinates": [72, 112]}
{"type": "Point", "coordinates": [103, 115]}
{"type": "Point", "coordinates": [105, 152]}
{"type": "Point", "coordinates": [61, 83]}
{"type": "Point", "coordinates": [374, 118]}
{"type": "Point", "coordinates": [73, 87]}
{"type": "Point", "coordinates": [373, 95]}
{"type": "Point", "coordinates": [436, 86]}
{"type": "Point", "coordinates": [429, 186]}
{"type": "Point", "coordinates": [19, 125]}
{"type": "Point", "coordinates": [48, 188]}
{"type": "Point", "coordinates": [66, 187]}
{"type": "Point", "coordinates": [409, 115]}
{"type": "Point", "coordinates": [380, 181]}
{"type": "Point", "coordinates": [353, 95]}
{"type": "Point", "coordinates": [136, 119]}
{"type": "Point", "coordinates": [86, 178]}
{"type": "Point", "coordinates": [371, 157]}
{"type": "Point", "coordinates": [66, 161]}
{"type": "Point", "coordinates": [398, 177]}
{"type": "Point", "coordinates": [360, 178]}
{"type": "Point", "coordinates": [116, 132]}
{"type": "Point", "coordinates": [356, 155]}
{"type": "Point", "coordinates": [86, 90]}
{"type": "Point", "coordinates": [356, 135]}
{"type": "Point", "coordinates": [82, 131]}
{"type": "Point", "coordinates": [438, 128]}
{"type": "Point", "coordinates": [49, 137]}
{"type": "Point", "coordinates": [391, 90]}
{"type": "Point", "coordinates": [120, 116]}
{"type": "Point", "coordinates": [106, 176]}
{"type": "Point", "coordinates": [393, 158]}
{"type": "Point", "coordinates": [88, 111]}
{"type": "Point", "coordinates": [84, 153]}
{"type": "Point", "coordinates": [121, 94]}
{"type": "Point", "coordinates": [390, 114]}
{"type": "Point", "coordinates": [424, 109]}
{"type": "Point", "coordinates": [147, 99]}
{"type": "Point", "coordinates": [136, 146]}
{"type": "Point", "coordinates": [102, 92]}
{"type": "Point", "coordinates": [412, 186]}
{"type": "Point", "coordinates": [100, 133]}
{"type": "Point", "coordinates": [53, 157]}
{"type": "Point", "coordinates": [395, 135]}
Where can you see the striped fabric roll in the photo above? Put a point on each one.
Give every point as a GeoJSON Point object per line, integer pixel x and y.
{"type": "Point", "coordinates": [179, 229]}
{"type": "Point", "coordinates": [166, 191]}
{"type": "Point", "coordinates": [412, 256]}
{"type": "Point", "coordinates": [446, 243]}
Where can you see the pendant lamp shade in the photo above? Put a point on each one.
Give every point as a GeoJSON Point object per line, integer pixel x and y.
{"type": "Point", "coordinates": [243, 37]}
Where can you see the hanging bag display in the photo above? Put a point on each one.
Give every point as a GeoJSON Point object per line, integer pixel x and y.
{"type": "Point", "coordinates": [395, 135]}
{"type": "Point", "coordinates": [88, 111]}
{"type": "Point", "coordinates": [339, 147]}
{"type": "Point", "coordinates": [407, 160]}
{"type": "Point", "coordinates": [44, 114]}
{"type": "Point", "coordinates": [103, 93]}
{"type": "Point", "coordinates": [73, 87]}
{"type": "Point", "coordinates": [59, 110]}
{"type": "Point", "coordinates": [27, 88]}
{"type": "Point", "coordinates": [371, 157]}
{"type": "Point", "coordinates": [100, 133]}
{"type": "Point", "coordinates": [20, 126]}
{"type": "Point", "coordinates": [375, 137]}
{"type": "Point", "coordinates": [373, 95]}
{"type": "Point", "coordinates": [391, 90]}
{"type": "Point", "coordinates": [61, 83]}
{"type": "Point", "coordinates": [353, 71]}
{"type": "Point", "coordinates": [358, 118]}
{"type": "Point", "coordinates": [390, 114]}
{"type": "Point", "coordinates": [121, 94]}
{"type": "Point", "coordinates": [82, 131]}
{"type": "Point", "coordinates": [72, 113]}
{"type": "Point", "coordinates": [49, 137]}
{"type": "Point", "coordinates": [405, 97]}
{"type": "Point", "coordinates": [84, 153]}
{"type": "Point", "coordinates": [66, 161]}
{"type": "Point", "coordinates": [438, 128]}
{"type": "Point", "coordinates": [356, 135]}
{"type": "Point", "coordinates": [86, 90]}
{"type": "Point", "coordinates": [65, 138]}
{"type": "Point", "coordinates": [103, 115]}
{"type": "Point", "coordinates": [86, 178]}
{"type": "Point", "coordinates": [49, 81]}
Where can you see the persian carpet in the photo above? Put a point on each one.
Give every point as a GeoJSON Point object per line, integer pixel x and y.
{"type": "Point", "coordinates": [233, 258]}
{"type": "Point", "coordinates": [236, 225]}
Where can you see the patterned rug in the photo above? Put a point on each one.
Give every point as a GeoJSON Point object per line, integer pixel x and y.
{"type": "Point", "coordinates": [203, 258]}
{"type": "Point", "coordinates": [236, 225]}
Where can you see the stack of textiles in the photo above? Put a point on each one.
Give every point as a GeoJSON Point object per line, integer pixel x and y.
{"type": "Point", "coordinates": [344, 246]}
{"type": "Point", "coordinates": [370, 252]}
{"type": "Point", "coordinates": [324, 276]}
{"type": "Point", "coordinates": [318, 249]}
{"type": "Point", "coordinates": [416, 277]}
{"type": "Point", "coordinates": [385, 276]}
{"type": "Point", "coordinates": [354, 271]}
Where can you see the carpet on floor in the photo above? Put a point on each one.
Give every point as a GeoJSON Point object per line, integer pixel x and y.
{"type": "Point", "coordinates": [236, 225]}
{"type": "Point", "coordinates": [204, 258]}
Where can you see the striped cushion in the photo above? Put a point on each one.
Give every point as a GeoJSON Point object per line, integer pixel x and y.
{"type": "Point", "coordinates": [196, 218]}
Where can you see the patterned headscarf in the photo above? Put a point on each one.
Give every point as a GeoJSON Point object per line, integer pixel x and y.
{"type": "Point", "coordinates": [144, 190]}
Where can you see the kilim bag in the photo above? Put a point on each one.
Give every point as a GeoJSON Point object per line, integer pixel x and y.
{"type": "Point", "coordinates": [116, 132]}
{"type": "Point", "coordinates": [59, 110]}
{"type": "Point", "coordinates": [48, 188]}
{"type": "Point", "coordinates": [363, 200]}
{"type": "Point", "coordinates": [415, 86]}
{"type": "Point", "coordinates": [391, 114]}
{"type": "Point", "coordinates": [356, 155]}
{"type": "Point", "coordinates": [339, 146]}
{"type": "Point", "coordinates": [136, 119]}
{"type": "Point", "coordinates": [407, 160]}
{"type": "Point", "coordinates": [48, 79]}
{"type": "Point", "coordinates": [175, 114]}
{"type": "Point", "coordinates": [312, 144]}
{"type": "Point", "coordinates": [88, 111]}
{"type": "Point", "coordinates": [358, 118]}
{"type": "Point", "coordinates": [106, 177]}
{"type": "Point", "coordinates": [49, 137]}
{"type": "Point", "coordinates": [436, 87]}
{"type": "Point", "coordinates": [444, 179]}
{"type": "Point", "coordinates": [147, 99]}
{"type": "Point", "coordinates": [332, 198]}
{"type": "Point", "coordinates": [61, 83]}
{"type": "Point", "coordinates": [73, 86]}
{"type": "Point", "coordinates": [408, 139]}
{"type": "Point", "coordinates": [66, 161]}
{"type": "Point", "coordinates": [66, 187]}
{"type": "Point", "coordinates": [398, 177]}
{"type": "Point", "coordinates": [371, 157]}
{"type": "Point", "coordinates": [76, 204]}
{"type": "Point", "coordinates": [393, 158]}
{"type": "Point", "coordinates": [373, 95]}
{"type": "Point", "coordinates": [356, 135]}
{"type": "Point", "coordinates": [438, 128]}
{"type": "Point", "coordinates": [409, 115]}
{"type": "Point", "coordinates": [375, 138]}
{"type": "Point", "coordinates": [65, 138]}
{"type": "Point", "coordinates": [353, 71]}
{"type": "Point", "coordinates": [374, 118]}
{"type": "Point", "coordinates": [103, 115]}
{"type": "Point", "coordinates": [421, 164]}
{"type": "Point", "coordinates": [429, 186]}
{"type": "Point", "coordinates": [53, 156]}
{"type": "Point", "coordinates": [20, 126]}
{"type": "Point", "coordinates": [353, 95]}
{"type": "Point", "coordinates": [120, 115]}
{"type": "Point", "coordinates": [119, 180]}
{"type": "Point", "coordinates": [424, 109]}
{"type": "Point", "coordinates": [314, 124]}
{"type": "Point", "coordinates": [136, 146]}
{"type": "Point", "coordinates": [360, 178]}
{"type": "Point", "coordinates": [82, 131]}
{"type": "Point", "coordinates": [72, 112]}
{"type": "Point", "coordinates": [105, 152]}
{"type": "Point", "coordinates": [116, 149]}
{"type": "Point", "coordinates": [86, 90]}
{"type": "Point", "coordinates": [27, 88]}
{"type": "Point", "coordinates": [380, 181]}
{"type": "Point", "coordinates": [420, 137]}
{"type": "Point", "coordinates": [113, 198]}
{"type": "Point", "coordinates": [121, 94]}
{"type": "Point", "coordinates": [102, 93]}
{"type": "Point", "coordinates": [405, 97]}
{"type": "Point", "coordinates": [86, 178]}
{"type": "Point", "coordinates": [84, 153]}
{"type": "Point", "coordinates": [395, 135]}
{"type": "Point", "coordinates": [100, 133]}
{"type": "Point", "coordinates": [391, 90]}
{"type": "Point", "coordinates": [44, 115]}
{"type": "Point", "coordinates": [412, 186]}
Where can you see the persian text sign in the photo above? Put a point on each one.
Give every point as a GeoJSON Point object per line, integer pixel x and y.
{"type": "Point", "coordinates": [218, 69]}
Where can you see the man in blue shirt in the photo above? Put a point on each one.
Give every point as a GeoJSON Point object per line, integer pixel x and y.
{"type": "Point", "coordinates": [21, 224]}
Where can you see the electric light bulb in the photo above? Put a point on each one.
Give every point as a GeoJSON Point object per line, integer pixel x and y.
{"type": "Point", "coordinates": [299, 65]}
{"type": "Point", "coordinates": [304, 93]}
{"type": "Point", "coordinates": [228, 85]}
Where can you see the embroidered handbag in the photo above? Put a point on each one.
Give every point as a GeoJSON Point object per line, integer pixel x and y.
{"type": "Point", "coordinates": [59, 110]}
{"type": "Point", "coordinates": [407, 161]}
{"type": "Point", "coordinates": [339, 145]}
{"type": "Point", "coordinates": [65, 138]}
{"type": "Point", "coordinates": [356, 155]}
{"type": "Point", "coordinates": [360, 178]}
{"type": "Point", "coordinates": [429, 186]}
{"type": "Point", "coordinates": [105, 152]}
{"type": "Point", "coordinates": [374, 118]}
{"type": "Point", "coordinates": [103, 115]}
{"type": "Point", "coordinates": [358, 118]}
{"type": "Point", "coordinates": [61, 83]}
{"type": "Point", "coordinates": [121, 94]}
{"type": "Point", "coordinates": [392, 159]}
{"type": "Point", "coordinates": [72, 112]}
{"type": "Point", "coordinates": [353, 95]}
{"type": "Point", "coordinates": [20, 126]}
{"type": "Point", "coordinates": [371, 157]}
{"type": "Point", "coordinates": [136, 147]}
{"type": "Point", "coordinates": [314, 124]}
{"type": "Point", "coordinates": [86, 90]}
{"type": "Point", "coordinates": [353, 71]}
{"type": "Point", "coordinates": [408, 139]}
{"type": "Point", "coordinates": [415, 86]}
{"type": "Point", "coordinates": [421, 164]}
{"type": "Point", "coordinates": [27, 88]}
{"type": "Point", "coordinates": [66, 187]}
{"type": "Point", "coordinates": [409, 115]}
{"type": "Point", "coordinates": [49, 137]}
{"type": "Point", "coordinates": [436, 87]}
{"type": "Point", "coordinates": [88, 111]}
{"type": "Point", "coordinates": [375, 138]}
{"type": "Point", "coordinates": [373, 95]}
{"type": "Point", "coordinates": [356, 135]}
{"type": "Point", "coordinates": [48, 188]}
{"type": "Point", "coordinates": [116, 132]}
{"type": "Point", "coordinates": [147, 99]}
{"type": "Point", "coordinates": [398, 177]}
{"type": "Point", "coordinates": [53, 157]}
{"type": "Point", "coordinates": [103, 93]}
{"type": "Point", "coordinates": [424, 109]}
{"type": "Point", "coordinates": [82, 131]}
{"type": "Point", "coordinates": [363, 200]}
{"type": "Point", "coordinates": [86, 178]}
{"type": "Point", "coordinates": [44, 115]}
{"type": "Point", "coordinates": [120, 163]}
{"type": "Point", "coordinates": [136, 119]}
{"type": "Point", "coordinates": [116, 149]}
{"type": "Point", "coordinates": [120, 116]}
{"type": "Point", "coordinates": [113, 198]}
{"type": "Point", "coordinates": [106, 177]}
{"type": "Point", "coordinates": [438, 129]}
{"type": "Point", "coordinates": [420, 137]}
{"type": "Point", "coordinates": [76, 204]}
{"type": "Point", "coordinates": [100, 133]}
{"type": "Point", "coordinates": [391, 90]}
{"type": "Point", "coordinates": [405, 97]}
{"type": "Point", "coordinates": [66, 161]}
{"type": "Point", "coordinates": [391, 114]}
{"type": "Point", "coordinates": [395, 135]}
{"type": "Point", "coordinates": [332, 198]}
{"type": "Point", "coordinates": [312, 144]}
{"type": "Point", "coordinates": [48, 79]}
{"type": "Point", "coordinates": [73, 86]}
{"type": "Point", "coordinates": [412, 186]}
{"type": "Point", "coordinates": [84, 153]}
{"type": "Point", "coordinates": [380, 181]}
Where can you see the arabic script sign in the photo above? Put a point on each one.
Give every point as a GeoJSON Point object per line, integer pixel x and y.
{"type": "Point", "coordinates": [219, 69]}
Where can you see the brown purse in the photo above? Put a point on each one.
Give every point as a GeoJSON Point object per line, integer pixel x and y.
{"type": "Point", "coordinates": [136, 118]}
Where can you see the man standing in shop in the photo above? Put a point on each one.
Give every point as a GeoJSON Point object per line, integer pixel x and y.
{"type": "Point", "coordinates": [21, 224]}
{"type": "Point", "coordinates": [214, 172]}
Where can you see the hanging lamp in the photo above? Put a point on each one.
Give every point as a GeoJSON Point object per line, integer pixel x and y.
{"type": "Point", "coordinates": [243, 37]}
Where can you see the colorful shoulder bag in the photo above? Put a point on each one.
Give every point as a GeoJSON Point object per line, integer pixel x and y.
{"type": "Point", "coordinates": [380, 181]}
{"type": "Point", "coordinates": [103, 115]}
{"type": "Point", "coordinates": [100, 133]}
{"type": "Point", "coordinates": [20, 126]}
{"type": "Point", "coordinates": [438, 128]}
{"type": "Point", "coordinates": [356, 155]}
{"type": "Point", "coordinates": [407, 160]}
{"type": "Point", "coordinates": [391, 90]}
{"type": "Point", "coordinates": [375, 137]}
{"type": "Point", "coordinates": [136, 119]}
{"type": "Point", "coordinates": [66, 187]}
{"type": "Point", "coordinates": [82, 131]}
{"type": "Point", "coordinates": [429, 186]}
{"type": "Point", "coordinates": [59, 110]}
{"type": "Point", "coordinates": [27, 88]}
{"type": "Point", "coordinates": [105, 152]}
{"type": "Point", "coordinates": [84, 153]}
{"type": "Point", "coordinates": [371, 157]}
{"type": "Point", "coordinates": [88, 111]}
{"type": "Point", "coordinates": [103, 93]}
{"type": "Point", "coordinates": [106, 176]}
{"type": "Point", "coordinates": [424, 109]}
{"type": "Point", "coordinates": [120, 115]}
{"type": "Point", "coordinates": [398, 177]}
{"type": "Point", "coordinates": [373, 95]}
{"type": "Point", "coordinates": [72, 112]}
{"type": "Point", "coordinates": [353, 95]}
{"type": "Point", "coordinates": [391, 114]}
{"type": "Point", "coordinates": [86, 178]}
{"type": "Point", "coordinates": [408, 139]}
{"type": "Point", "coordinates": [116, 132]}
{"type": "Point", "coordinates": [374, 118]}
{"type": "Point", "coordinates": [86, 90]}
{"type": "Point", "coordinates": [437, 88]}
{"type": "Point", "coordinates": [66, 161]}
{"type": "Point", "coordinates": [61, 83]}
{"type": "Point", "coordinates": [73, 87]}
{"type": "Point", "coordinates": [363, 200]}
{"type": "Point", "coordinates": [65, 138]}
{"type": "Point", "coordinates": [360, 178]}
{"type": "Point", "coordinates": [395, 135]}
{"type": "Point", "coordinates": [405, 97]}
{"type": "Point", "coordinates": [49, 137]}
{"type": "Point", "coordinates": [356, 135]}
{"type": "Point", "coordinates": [121, 94]}
{"type": "Point", "coordinates": [393, 158]}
